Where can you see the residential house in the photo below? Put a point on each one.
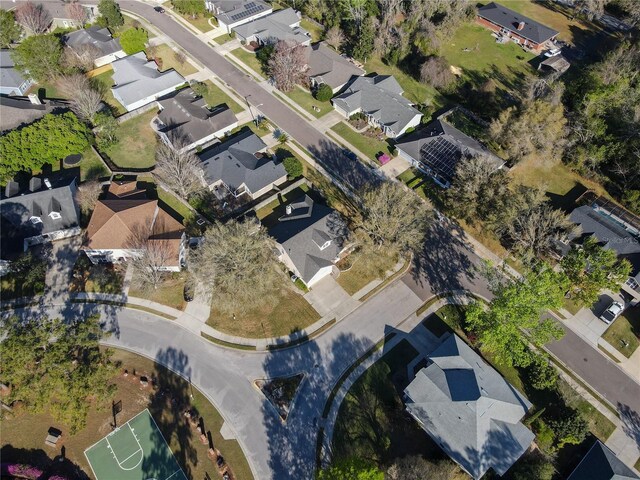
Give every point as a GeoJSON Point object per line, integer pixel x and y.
{"type": "Point", "coordinates": [600, 463]}
{"type": "Point", "coordinates": [469, 409]}
{"type": "Point", "coordinates": [138, 81]}
{"type": "Point", "coordinates": [310, 239]}
{"type": "Point", "coordinates": [280, 25]}
{"type": "Point", "coordinates": [106, 48]}
{"type": "Point", "coordinates": [41, 214]}
{"type": "Point", "coordinates": [232, 13]}
{"type": "Point", "coordinates": [60, 17]}
{"type": "Point", "coordinates": [614, 228]}
{"type": "Point", "coordinates": [327, 66]}
{"type": "Point", "coordinates": [380, 99]}
{"type": "Point", "coordinates": [16, 112]}
{"type": "Point", "coordinates": [185, 121]}
{"type": "Point", "coordinates": [12, 82]}
{"type": "Point", "coordinates": [438, 149]}
{"type": "Point", "coordinates": [516, 27]}
{"type": "Point", "coordinates": [126, 217]}
{"type": "Point", "coordinates": [241, 166]}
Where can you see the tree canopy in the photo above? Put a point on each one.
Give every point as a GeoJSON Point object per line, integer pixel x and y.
{"type": "Point", "coordinates": [351, 468]}
{"type": "Point", "coordinates": [293, 167]}
{"type": "Point", "coordinates": [189, 7]}
{"type": "Point", "coordinates": [56, 365]}
{"type": "Point", "coordinates": [10, 31]}
{"type": "Point", "coordinates": [134, 40]}
{"type": "Point", "coordinates": [46, 141]}
{"type": "Point", "coordinates": [39, 57]}
{"type": "Point", "coordinates": [110, 11]}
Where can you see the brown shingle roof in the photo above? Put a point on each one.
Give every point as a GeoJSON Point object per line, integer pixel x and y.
{"type": "Point", "coordinates": [114, 221]}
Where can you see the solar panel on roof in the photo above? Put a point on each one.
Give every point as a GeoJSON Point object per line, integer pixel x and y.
{"type": "Point", "coordinates": [440, 156]}
{"type": "Point", "coordinates": [249, 9]}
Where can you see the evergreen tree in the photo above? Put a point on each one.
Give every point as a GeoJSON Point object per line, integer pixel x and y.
{"type": "Point", "coordinates": [110, 11]}
{"type": "Point", "coordinates": [39, 57]}
{"type": "Point", "coordinates": [10, 31]}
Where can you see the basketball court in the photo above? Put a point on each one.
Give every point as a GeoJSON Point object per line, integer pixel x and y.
{"type": "Point", "coordinates": [134, 451]}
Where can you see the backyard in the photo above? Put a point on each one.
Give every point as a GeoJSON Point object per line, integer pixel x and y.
{"type": "Point", "coordinates": [215, 96]}
{"type": "Point", "coordinates": [269, 214]}
{"type": "Point", "coordinates": [363, 267]}
{"type": "Point", "coordinates": [91, 167]}
{"type": "Point", "coordinates": [170, 292]}
{"type": "Point", "coordinates": [287, 313]}
{"type": "Point", "coordinates": [23, 433]}
{"type": "Point", "coordinates": [136, 143]}
{"type": "Point", "coordinates": [303, 97]}
{"type": "Point", "coordinates": [104, 82]}
{"type": "Point", "coordinates": [367, 145]}
{"type": "Point", "coordinates": [315, 29]}
{"type": "Point", "coordinates": [624, 333]}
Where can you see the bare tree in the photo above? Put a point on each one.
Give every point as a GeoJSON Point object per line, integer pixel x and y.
{"type": "Point", "coordinates": [237, 259]}
{"type": "Point", "coordinates": [34, 17]}
{"type": "Point", "coordinates": [179, 170]}
{"type": "Point", "coordinates": [436, 72]}
{"type": "Point", "coordinates": [85, 100]}
{"type": "Point", "coordinates": [392, 217]}
{"type": "Point", "coordinates": [82, 57]}
{"type": "Point", "coordinates": [334, 37]}
{"type": "Point", "coordinates": [180, 57]}
{"type": "Point", "coordinates": [87, 195]}
{"type": "Point", "coordinates": [153, 253]}
{"type": "Point", "coordinates": [416, 467]}
{"type": "Point", "coordinates": [77, 13]}
{"type": "Point", "coordinates": [287, 65]}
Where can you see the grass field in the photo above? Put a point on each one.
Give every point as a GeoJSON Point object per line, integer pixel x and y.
{"type": "Point", "coordinates": [303, 97]}
{"type": "Point", "coordinates": [313, 28]}
{"type": "Point", "coordinates": [288, 313]}
{"type": "Point", "coordinates": [170, 292]}
{"type": "Point", "coordinates": [137, 143]}
{"type": "Point", "coordinates": [104, 81]}
{"type": "Point", "coordinates": [215, 96]}
{"type": "Point", "coordinates": [624, 333]}
{"type": "Point", "coordinates": [169, 60]}
{"type": "Point", "coordinates": [201, 22]}
{"type": "Point", "coordinates": [222, 39]}
{"type": "Point", "coordinates": [367, 265]}
{"type": "Point", "coordinates": [23, 433]}
{"type": "Point", "coordinates": [369, 146]}
{"type": "Point", "coordinates": [249, 59]}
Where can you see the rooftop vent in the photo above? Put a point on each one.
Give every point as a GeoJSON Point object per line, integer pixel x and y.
{"type": "Point", "coordinates": [520, 25]}
{"type": "Point", "coordinates": [288, 209]}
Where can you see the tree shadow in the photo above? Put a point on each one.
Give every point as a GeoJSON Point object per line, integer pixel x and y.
{"type": "Point", "coordinates": [38, 458]}
{"type": "Point", "coordinates": [630, 422]}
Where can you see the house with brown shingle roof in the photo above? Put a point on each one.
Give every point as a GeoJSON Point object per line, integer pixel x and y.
{"type": "Point", "coordinates": [125, 217]}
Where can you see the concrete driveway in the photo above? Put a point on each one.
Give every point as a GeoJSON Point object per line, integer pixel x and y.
{"type": "Point", "coordinates": [329, 299]}
{"type": "Point", "coordinates": [62, 256]}
{"type": "Point", "coordinates": [587, 322]}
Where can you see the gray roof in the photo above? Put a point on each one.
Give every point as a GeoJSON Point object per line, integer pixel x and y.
{"type": "Point", "coordinates": [238, 162]}
{"type": "Point", "coordinates": [304, 231]}
{"type": "Point", "coordinates": [380, 96]}
{"type": "Point", "coordinates": [612, 234]}
{"type": "Point", "coordinates": [328, 66]}
{"type": "Point", "coordinates": [9, 76]}
{"type": "Point", "coordinates": [16, 211]}
{"type": "Point", "coordinates": [136, 78]}
{"type": "Point", "coordinates": [507, 18]}
{"type": "Point", "coordinates": [469, 409]}
{"type": "Point", "coordinates": [98, 37]}
{"type": "Point", "coordinates": [234, 11]}
{"type": "Point", "coordinates": [600, 463]}
{"type": "Point", "coordinates": [274, 27]}
{"type": "Point", "coordinates": [186, 117]}
{"type": "Point", "coordinates": [440, 146]}
{"type": "Point", "coordinates": [17, 111]}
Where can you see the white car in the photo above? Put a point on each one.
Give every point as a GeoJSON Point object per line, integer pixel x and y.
{"type": "Point", "coordinates": [552, 53]}
{"type": "Point", "coordinates": [612, 312]}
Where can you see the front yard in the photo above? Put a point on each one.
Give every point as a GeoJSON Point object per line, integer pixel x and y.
{"type": "Point", "coordinates": [367, 145]}
{"type": "Point", "coordinates": [103, 278]}
{"type": "Point", "coordinates": [169, 59]}
{"type": "Point", "coordinates": [170, 292]}
{"type": "Point", "coordinates": [289, 313]}
{"type": "Point", "coordinates": [136, 145]}
{"type": "Point", "coordinates": [215, 96]}
{"type": "Point", "coordinates": [363, 267]}
{"type": "Point", "coordinates": [222, 39]}
{"type": "Point", "coordinates": [624, 333]}
{"type": "Point", "coordinates": [249, 59]}
{"type": "Point", "coordinates": [303, 97]}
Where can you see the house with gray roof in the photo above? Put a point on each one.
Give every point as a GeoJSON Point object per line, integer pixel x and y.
{"type": "Point", "coordinates": [96, 41]}
{"type": "Point", "coordinates": [438, 148]}
{"type": "Point", "coordinates": [241, 166]}
{"type": "Point", "coordinates": [281, 25]}
{"type": "Point", "coordinates": [327, 66]}
{"type": "Point", "coordinates": [60, 17]}
{"type": "Point", "coordinates": [469, 409]}
{"type": "Point", "coordinates": [38, 215]}
{"type": "Point", "coordinates": [17, 112]}
{"type": "Point", "coordinates": [12, 82]}
{"type": "Point", "coordinates": [615, 229]}
{"type": "Point", "coordinates": [185, 121]}
{"type": "Point", "coordinates": [600, 463]}
{"type": "Point", "coordinates": [310, 239]}
{"type": "Point", "coordinates": [516, 27]}
{"type": "Point", "coordinates": [380, 99]}
{"type": "Point", "coordinates": [232, 13]}
{"type": "Point", "coordinates": [138, 81]}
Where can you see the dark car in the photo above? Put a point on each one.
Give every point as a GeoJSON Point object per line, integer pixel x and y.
{"type": "Point", "coordinates": [189, 291]}
{"type": "Point", "coordinates": [159, 9]}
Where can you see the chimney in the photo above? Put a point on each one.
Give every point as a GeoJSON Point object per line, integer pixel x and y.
{"type": "Point", "coordinates": [34, 99]}
{"type": "Point", "coordinates": [35, 184]}
{"type": "Point", "coordinates": [11, 189]}
{"type": "Point", "coordinates": [520, 25]}
{"type": "Point", "coordinates": [288, 209]}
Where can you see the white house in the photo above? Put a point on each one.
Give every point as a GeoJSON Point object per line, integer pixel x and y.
{"type": "Point", "coordinates": [232, 13]}
{"type": "Point", "coordinates": [281, 25]}
{"type": "Point", "coordinates": [12, 82]}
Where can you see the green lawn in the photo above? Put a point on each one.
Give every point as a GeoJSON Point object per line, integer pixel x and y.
{"type": "Point", "coordinates": [504, 63]}
{"type": "Point", "coordinates": [169, 200]}
{"type": "Point", "coordinates": [215, 96]}
{"type": "Point", "coordinates": [414, 90]}
{"type": "Point", "coordinates": [170, 292]}
{"type": "Point", "coordinates": [137, 143]}
{"type": "Point", "coordinates": [130, 22]}
{"type": "Point", "coordinates": [369, 146]}
{"type": "Point", "coordinates": [313, 28]}
{"type": "Point", "coordinates": [169, 60]}
{"type": "Point", "coordinates": [201, 22]}
{"type": "Point", "coordinates": [624, 333]}
{"type": "Point", "coordinates": [366, 265]}
{"type": "Point", "coordinates": [571, 306]}
{"type": "Point", "coordinates": [303, 97]}
{"type": "Point", "coordinates": [222, 39]}
{"type": "Point", "coordinates": [249, 59]}
{"type": "Point", "coordinates": [49, 90]}
{"type": "Point", "coordinates": [104, 82]}
{"type": "Point", "coordinates": [91, 167]}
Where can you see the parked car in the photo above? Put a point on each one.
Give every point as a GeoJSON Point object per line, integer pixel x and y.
{"type": "Point", "coordinates": [612, 312]}
{"type": "Point", "coordinates": [294, 278]}
{"type": "Point", "coordinates": [189, 291]}
{"type": "Point", "coordinates": [552, 53]}
{"type": "Point", "coordinates": [159, 9]}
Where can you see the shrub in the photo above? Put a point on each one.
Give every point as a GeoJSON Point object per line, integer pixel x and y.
{"type": "Point", "coordinates": [324, 93]}
{"type": "Point", "coordinates": [200, 88]}
{"type": "Point", "coordinates": [134, 40]}
{"type": "Point", "coordinates": [293, 167]}
{"type": "Point", "coordinates": [571, 429]}
{"type": "Point", "coordinates": [544, 435]}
